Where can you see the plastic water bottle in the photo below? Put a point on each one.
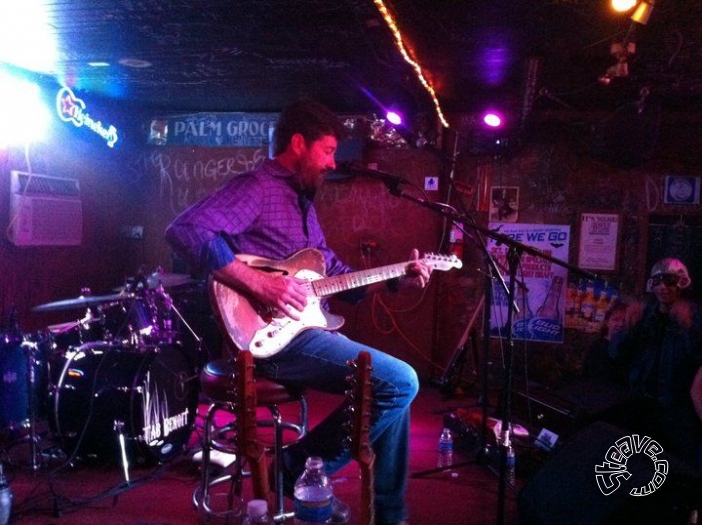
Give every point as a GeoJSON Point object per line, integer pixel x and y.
{"type": "Point", "coordinates": [257, 513]}
{"type": "Point", "coordinates": [445, 448]}
{"type": "Point", "coordinates": [314, 495]}
{"type": "Point", "coordinates": [5, 498]}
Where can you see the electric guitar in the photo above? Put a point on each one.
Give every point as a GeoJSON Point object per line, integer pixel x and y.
{"type": "Point", "coordinates": [264, 330]}
{"type": "Point", "coordinates": [360, 398]}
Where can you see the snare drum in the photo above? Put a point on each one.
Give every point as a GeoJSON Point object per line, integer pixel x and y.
{"type": "Point", "coordinates": [76, 333]}
{"type": "Point", "coordinates": [149, 393]}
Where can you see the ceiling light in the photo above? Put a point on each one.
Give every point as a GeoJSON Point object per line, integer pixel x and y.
{"type": "Point", "coordinates": [27, 39]}
{"type": "Point", "coordinates": [623, 5]}
{"type": "Point", "coordinates": [25, 116]}
{"type": "Point", "coordinates": [394, 117]}
{"type": "Point", "coordinates": [99, 64]}
{"type": "Point", "coordinates": [134, 62]}
{"type": "Point", "coordinates": [492, 119]}
{"type": "Point", "coordinates": [643, 12]}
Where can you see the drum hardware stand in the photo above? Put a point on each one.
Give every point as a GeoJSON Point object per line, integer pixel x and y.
{"type": "Point", "coordinates": [80, 323]}
{"type": "Point", "coordinates": [168, 300]}
{"type": "Point", "coordinates": [33, 438]}
{"type": "Point", "coordinates": [119, 428]}
{"type": "Point", "coordinates": [32, 409]}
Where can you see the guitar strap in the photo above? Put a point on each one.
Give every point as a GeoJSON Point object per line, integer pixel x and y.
{"type": "Point", "coordinates": [305, 201]}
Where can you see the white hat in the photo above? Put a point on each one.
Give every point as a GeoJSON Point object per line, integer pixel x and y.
{"type": "Point", "coordinates": [670, 266]}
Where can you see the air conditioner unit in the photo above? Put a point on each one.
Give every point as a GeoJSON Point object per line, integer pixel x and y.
{"type": "Point", "coordinates": [45, 211]}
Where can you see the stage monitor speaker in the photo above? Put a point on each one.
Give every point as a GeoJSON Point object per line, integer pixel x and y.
{"type": "Point", "coordinates": [565, 490]}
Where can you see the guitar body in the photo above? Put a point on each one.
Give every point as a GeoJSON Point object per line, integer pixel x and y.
{"type": "Point", "coordinates": [265, 331]}
{"type": "Point", "coordinates": [252, 326]}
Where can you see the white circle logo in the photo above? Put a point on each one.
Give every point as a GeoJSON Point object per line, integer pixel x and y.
{"type": "Point", "coordinates": [609, 475]}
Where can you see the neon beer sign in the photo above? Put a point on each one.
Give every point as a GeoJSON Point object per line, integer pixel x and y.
{"type": "Point", "coordinates": [72, 109]}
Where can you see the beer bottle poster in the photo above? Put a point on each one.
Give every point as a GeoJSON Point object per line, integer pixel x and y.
{"type": "Point", "coordinates": [540, 285]}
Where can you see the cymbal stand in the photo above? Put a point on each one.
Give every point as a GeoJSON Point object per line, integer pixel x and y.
{"type": "Point", "coordinates": [118, 426]}
{"type": "Point", "coordinates": [168, 300]}
{"type": "Point", "coordinates": [32, 362]}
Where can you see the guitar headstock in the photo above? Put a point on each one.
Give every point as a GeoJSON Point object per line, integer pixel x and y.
{"type": "Point", "coordinates": [359, 395]}
{"type": "Point", "coordinates": [247, 429]}
{"type": "Point", "coordinates": [442, 262]}
{"type": "Point", "coordinates": [360, 409]}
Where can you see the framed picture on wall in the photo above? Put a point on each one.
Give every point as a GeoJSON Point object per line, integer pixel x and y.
{"type": "Point", "coordinates": [681, 190]}
{"type": "Point", "coordinates": [504, 203]}
{"type": "Point", "coordinates": [598, 247]}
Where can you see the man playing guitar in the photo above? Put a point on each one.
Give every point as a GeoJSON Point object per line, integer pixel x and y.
{"type": "Point", "coordinates": [269, 213]}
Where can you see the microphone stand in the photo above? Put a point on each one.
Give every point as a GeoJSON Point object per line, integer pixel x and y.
{"type": "Point", "coordinates": [515, 251]}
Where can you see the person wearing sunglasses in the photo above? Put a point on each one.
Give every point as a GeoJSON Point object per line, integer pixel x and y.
{"type": "Point", "coordinates": [661, 346]}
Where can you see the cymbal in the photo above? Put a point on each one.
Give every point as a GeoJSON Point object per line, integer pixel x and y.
{"type": "Point", "coordinates": [153, 280]}
{"type": "Point", "coordinates": [78, 302]}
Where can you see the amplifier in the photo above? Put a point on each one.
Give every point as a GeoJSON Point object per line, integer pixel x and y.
{"type": "Point", "coordinates": [539, 410]}
{"type": "Point", "coordinates": [569, 408]}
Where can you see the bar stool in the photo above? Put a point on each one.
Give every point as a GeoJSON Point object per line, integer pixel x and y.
{"type": "Point", "coordinates": [232, 388]}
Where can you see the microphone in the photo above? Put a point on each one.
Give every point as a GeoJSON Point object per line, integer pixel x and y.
{"type": "Point", "coordinates": [355, 170]}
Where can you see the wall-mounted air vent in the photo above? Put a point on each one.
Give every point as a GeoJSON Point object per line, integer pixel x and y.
{"type": "Point", "coordinates": [45, 211]}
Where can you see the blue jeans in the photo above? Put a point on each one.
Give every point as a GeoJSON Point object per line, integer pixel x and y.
{"type": "Point", "coordinates": [317, 359]}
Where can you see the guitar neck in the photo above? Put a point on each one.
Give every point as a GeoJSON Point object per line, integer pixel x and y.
{"type": "Point", "coordinates": [348, 281]}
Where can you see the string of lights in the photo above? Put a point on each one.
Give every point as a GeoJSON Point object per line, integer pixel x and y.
{"type": "Point", "coordinates": [399, 42]}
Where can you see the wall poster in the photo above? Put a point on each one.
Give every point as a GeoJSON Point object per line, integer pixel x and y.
{"type": "Point", "coordinates": [541, 301]}
{"type": "Point", "coordinates": [599, 241]}
{"type": "Point", "coordinates": [504, 203]}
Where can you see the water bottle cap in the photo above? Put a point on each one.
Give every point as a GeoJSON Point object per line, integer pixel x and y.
{"type": "Point", "coordinates": [257, 508]}
{"type": "Point", "coordinates": [314, 462]}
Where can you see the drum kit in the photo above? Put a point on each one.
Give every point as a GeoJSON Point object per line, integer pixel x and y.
{"type": "Point", "coordinates": [117, 383]}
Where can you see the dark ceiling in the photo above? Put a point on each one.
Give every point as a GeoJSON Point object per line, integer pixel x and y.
{"type": "Point", "coordinates": [257, 55]}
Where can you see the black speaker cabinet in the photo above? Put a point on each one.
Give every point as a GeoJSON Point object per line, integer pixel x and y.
{"type": "Point", "coordinates": [565, 491]}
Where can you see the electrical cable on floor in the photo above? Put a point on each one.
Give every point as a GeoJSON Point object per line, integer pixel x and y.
{"type": "Point", "coordinates": [377, 302]}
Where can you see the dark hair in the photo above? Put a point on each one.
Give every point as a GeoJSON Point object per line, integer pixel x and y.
{"type": "Point", "coordinates": [309, 118]}
{"type": "Point", "coordinates": [619, 306]}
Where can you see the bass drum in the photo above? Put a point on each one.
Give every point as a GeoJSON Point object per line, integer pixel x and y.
{"type": "Point", "coordinates": [149, 394]}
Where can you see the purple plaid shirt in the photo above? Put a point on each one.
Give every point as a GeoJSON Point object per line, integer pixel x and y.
{"type": "Point", "coordinates": [262, 212]}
